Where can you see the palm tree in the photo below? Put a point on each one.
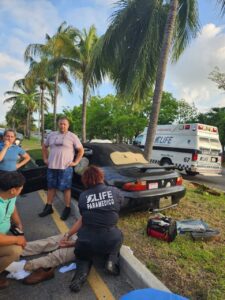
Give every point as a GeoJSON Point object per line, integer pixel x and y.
{"type": "Point", "coordinates": [55, 48]}
{"type": "Point", "coordinates": [181, 18]}
{"type": "Point", "coordinates": [16, 116]}
{"type": "Point", "coordinates": [136, 46]}
{"type": "Point", "coordinates": [85, 72]}
{"type": "Point", "coordinates": [26, 95]}
{"type": "Point", "coordinates": [39, 75]}
{"type": "Point", "coordinates": [81, 64]}
{"type": "Point", "coordinates": [222, 4]}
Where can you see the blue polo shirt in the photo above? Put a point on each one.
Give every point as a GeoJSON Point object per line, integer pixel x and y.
{"type": "Point", "coordinates": [11, 157]}
{"type": "Point", "coordinates": [6, 209]}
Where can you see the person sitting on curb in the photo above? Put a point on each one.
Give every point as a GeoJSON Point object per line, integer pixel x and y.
{"type": "Point", "coordinates": [11, 247]}
{"type": "Point", "coordinates": [96, 228]}
{"type": "Point", "coordinates": [60, 162]}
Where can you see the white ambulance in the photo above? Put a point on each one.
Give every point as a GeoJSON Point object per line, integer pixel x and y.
{"type": "Point", "coordinates": [195, 148]}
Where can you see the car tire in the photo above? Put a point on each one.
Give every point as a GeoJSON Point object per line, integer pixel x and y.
{"type": "Point", "coordinates": [165, 162]}
{"type": "Point", "coordinates": [190, 173]}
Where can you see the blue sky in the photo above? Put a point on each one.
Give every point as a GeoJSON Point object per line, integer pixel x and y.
{"type": "Point", "coordinates": [27, 21]}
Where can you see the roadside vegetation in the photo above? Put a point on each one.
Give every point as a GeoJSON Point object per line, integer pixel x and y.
{"type": "Point", "coordinates": [32, 143]}
{"type": "Point", "coordinates": [194, 269]}
{"type": "Point", "coordinates": [33, 147]}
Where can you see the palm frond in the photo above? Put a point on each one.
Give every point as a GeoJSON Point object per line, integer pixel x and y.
{"type": "Point", "coordinates": [131, 46]}
{"type": "Point", "coordinates": [221, 3]}
{"type": "Point", "coordinates": [33, 50]}
{"type": "Point", "coordinates": [187, 27]}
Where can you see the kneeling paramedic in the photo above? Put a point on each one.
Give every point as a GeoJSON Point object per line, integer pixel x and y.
{"type": "Point", "coordinates": [97, 232]}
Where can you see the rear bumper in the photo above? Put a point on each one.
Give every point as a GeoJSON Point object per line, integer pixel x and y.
{"type": "Point", "coordinates": [209, 171]}
{"type": "Point", "coordinates": [150, 199]}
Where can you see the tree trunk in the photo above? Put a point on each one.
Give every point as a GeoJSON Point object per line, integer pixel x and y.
{"type": "Point", "coordinates": [84, 110]}
{"type": "Point", "coordinates": [28, 125]}
{"type": "Point", "coordinates": [42, 116]}
{"type": "Point", "coordinates": [39, 116]}
{"type": "Point", "coordinates": [160, 76]}
{"type": "Point", "coordinates": [55, 101]}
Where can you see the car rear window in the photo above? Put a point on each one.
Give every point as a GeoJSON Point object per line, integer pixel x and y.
{"type": "Point", "coordinates": [126, 158]}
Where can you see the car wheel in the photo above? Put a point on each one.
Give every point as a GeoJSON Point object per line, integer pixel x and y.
{"type": "Point", "coordinates": [190, 173]}
{"type": "Point", "coordinates": [165, 162]}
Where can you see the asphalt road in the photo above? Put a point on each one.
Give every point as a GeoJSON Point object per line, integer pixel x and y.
{"type": "Point", "coordinates": [217, 182]}
{"type": "Point", "coordinates": [35, 227]}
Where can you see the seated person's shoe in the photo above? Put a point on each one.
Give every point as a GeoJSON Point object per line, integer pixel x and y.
{"type": "Point", "coordinates": [80, 276]}
{"type": "Point", "coordinates": [3, 283]}
{"type": "Point", "coordinates": [46, 211]}
{"type": "Point", "coordinates": [39, 275]}
{"type": "Point", "coordinates": [112, 268]}
{"type": "Point", "coordinates": [65, 213]}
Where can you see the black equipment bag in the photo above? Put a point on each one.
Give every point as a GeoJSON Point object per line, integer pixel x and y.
{"type": "Point", "coordinates": [162, 228]}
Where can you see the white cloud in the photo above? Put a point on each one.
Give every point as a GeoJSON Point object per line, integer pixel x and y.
{"type": "Point", "coordinates": [91, 16]}
{"type": "Point", "coordinates": [188, 78]}
{"type": "Point", "coordinates": [10, 62]}
{"type": "Point", "coordinates": [105, 2]}
{"type": "Point", "coordinates": [22, 22]}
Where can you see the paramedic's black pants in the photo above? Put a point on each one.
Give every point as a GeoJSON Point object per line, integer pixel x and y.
{"type": "Point", "coordinates": [98, 241]}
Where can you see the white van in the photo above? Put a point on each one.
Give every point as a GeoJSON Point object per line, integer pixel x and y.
{"type": "Point", "coordinates": [195, 148]}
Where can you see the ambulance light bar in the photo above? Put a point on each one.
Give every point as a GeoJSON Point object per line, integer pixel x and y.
{"type": "Point", "coordinates": [207, 128]}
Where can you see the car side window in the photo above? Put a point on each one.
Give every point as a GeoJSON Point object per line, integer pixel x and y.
{"type": "Point", "coordinates": [88, 152]}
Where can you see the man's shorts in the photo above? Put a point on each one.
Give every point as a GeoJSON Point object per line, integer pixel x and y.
{"type": "Point", "coordinates": [60, 179]}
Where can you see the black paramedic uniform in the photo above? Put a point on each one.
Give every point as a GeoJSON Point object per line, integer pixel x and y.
{"type": "Point", "coordinates": [99, 207]}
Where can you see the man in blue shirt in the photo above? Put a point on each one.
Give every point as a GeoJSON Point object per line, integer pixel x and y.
{"type": "Point", "coordinates": [11, 184]}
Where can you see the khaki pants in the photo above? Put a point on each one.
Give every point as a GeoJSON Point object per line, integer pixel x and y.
{"type": "Point", "coordinates": [55, 257]}
{"type": "Point", "coordinates": [9, 254]}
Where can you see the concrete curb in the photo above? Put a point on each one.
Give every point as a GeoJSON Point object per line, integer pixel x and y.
{"type": "Point", "coordinates": [131, 268]}
{"type": "Point", "coordinates": [136, 272]}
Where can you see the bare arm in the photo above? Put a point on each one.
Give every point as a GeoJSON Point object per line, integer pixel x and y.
{"type": "Point", "coordinates": [26, 158]}
{"type": "Point", "coordinates": [64, 243]}
{"type": "Point", "coordinates": [4, 150]}
{"type": "Point", "coordinates": [15, 217]}
{"type": "Point", "coordinates": [80, 153]}
{"type": "Point", "coordinates": [76, 226]}
{"type": "Point", "coordinates": [7, 240]}
{"type": "Point", "coordinates": [45, 153]}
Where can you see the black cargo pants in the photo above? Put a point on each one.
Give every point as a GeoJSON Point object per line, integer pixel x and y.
{"type": "Point", "coordinates": [94, 241]}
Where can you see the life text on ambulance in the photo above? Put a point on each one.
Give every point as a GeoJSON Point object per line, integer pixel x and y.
{"type": "Point", "coordinates": [194, 148]}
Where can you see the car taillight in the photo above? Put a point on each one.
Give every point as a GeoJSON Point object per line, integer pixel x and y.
{"type": "Point", "coordinates": [179, 181]}
{"type": "Point", "coordinates": [195, 156]}
{"type": "Point", "coordinates": [135, 186]}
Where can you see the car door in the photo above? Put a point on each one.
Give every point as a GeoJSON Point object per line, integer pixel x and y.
{"type": "Point", "coordinates": [35, 176]}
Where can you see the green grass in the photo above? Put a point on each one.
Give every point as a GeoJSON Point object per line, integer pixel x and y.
{"type": "Point", "coordinates": [33, 143]}
{"type": "Point", "coordinates": [33, 147]}
{"type": "Point", "coordinates": [194, 269]}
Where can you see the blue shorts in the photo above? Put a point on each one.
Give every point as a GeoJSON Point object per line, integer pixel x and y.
{"type": "Point", "coordinates": [60, 179]}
